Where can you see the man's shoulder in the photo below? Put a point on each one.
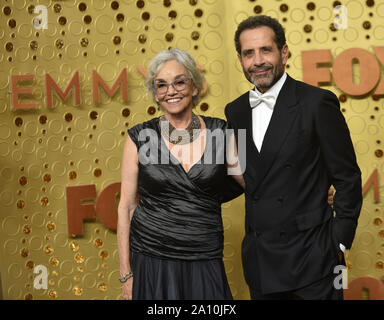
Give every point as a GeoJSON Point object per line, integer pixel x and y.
{"type": "Point", "coordinates": [238, 101]}
{"type": "Point", "coordinates": [309, 90]}
{"type": "Point", "coordinates": [241, 98]}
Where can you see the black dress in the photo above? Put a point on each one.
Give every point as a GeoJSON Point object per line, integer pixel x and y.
{"type": "Point", "coordinates": [176, 233]}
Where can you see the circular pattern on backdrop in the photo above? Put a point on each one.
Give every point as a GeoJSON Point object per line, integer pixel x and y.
{"type": "Point", "coordinates": [28, 146]}
{"type": "Point", "coordinates": [107, 141]}
{"type": "Point", "coordinates": [297, 15]}
{"type": "Point", "coordinates": [324, 14]}
{"type": "Point", "coordinates": [213, 40]}
{"type": "Point", "coordinates": [214, 20]}
{"type": "Point", "coordinates": [75, 27]}
{"type": "Point", "coordinates": [25, 30]}
{"type": "Point", "coordinates": [32, 195]}
{"type": "Point", "coordinates": [78, 141]}
{"type": "Point", "coordinates": [378, 32]}
{"type": "Point", "coordinates": [107, 70]}
{"type": "Point", "coordinates": [35, 243]}
{"type": "Point", "coordinates": [17, 155]}
{"type": "Point", "coordinates": [373, 129]}
{"type": "Point", "coordinates": [216, 67]}
{"type": "Point", "coordinates": [295, 37]}
{"type": "Point", "coordinates": [22, 54]}
{"type": "Point", "coordinates": [362, 260]}
{"type": "Point", "coordinates": [11, 247]}
{"type": "Point", "coordinates": [4, 80]}
{"type": "Point", "coordinates": [65, 284]}
{"type": "Point", "coordinates": [10, 226]}
{"type": "Point", "coordinates": [321, 35]}
{"type": "Point", "coordinates": [104, 24]}
{"type": "Point", "coordinates": [157, 45]}
{"type": "Point", "coordinates": [356, 124]}
{"type": "Point", "coordinates": [51, 31]}
{"type": "Point", "coordinates": [355, 9]}
{"type": "Point", "coordinates": [134, 25]}
{"type": "Point", "coordinates": [113, 163]}
{"type": "Point", "coordinates": [380, 10]}
{"type": "Point", "coordinates": [98, 5]}
{"type": "Point", "coordinates": [183, 43]}
{"type": "Point", "coordinates": [240, 16]}
{"type": "Point", "coordinates": [186, 22]}
{"type": "Point", "coordinates": [5, 131]}
{"type": "Point", "coordinates": [89, 280]}
{"type": "Point", "coordinates": [15, 271]}
{"type": "Point", "coordinates": [72, 51]}
{"type": "Point", "coordinates": [101, 49]}
{"type": "Point", "coordinates": [351, 34]}
{"type": "Point", "coordinates": [366, 239]}
{"type": "Point", "coordinates": [216, 89]}
{"type": "Point", "coordinates": [57, 191]}
{"type": "Point", "coordinates": [110, 120]}
{"type": "Point", "coordinates": [362, 147]}
{"type": "Point", "coordinates": [381, 121]}
{"type": "Point", "coordinates": [4, 149]}
{"type": "Point", "coordinates": [243, 86]}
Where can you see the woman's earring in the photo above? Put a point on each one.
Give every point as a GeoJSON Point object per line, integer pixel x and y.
{"type": "Point", "coordinates": [158, 105]}
{"type": "Point", "coordinates": [194, 100]}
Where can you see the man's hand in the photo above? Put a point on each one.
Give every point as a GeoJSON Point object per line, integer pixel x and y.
{"type": "Point", "coordinates": [330, 196]}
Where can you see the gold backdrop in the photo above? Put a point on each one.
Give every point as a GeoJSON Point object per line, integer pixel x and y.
{"type": "Point", "coordinates": [44, 150]}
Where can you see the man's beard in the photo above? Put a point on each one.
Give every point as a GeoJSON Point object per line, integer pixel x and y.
{"type": "Point", "coordinates": [264, 81]}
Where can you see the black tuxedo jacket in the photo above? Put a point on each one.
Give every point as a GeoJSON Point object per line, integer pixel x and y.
{"type": "Point", "coordinates": [292, 234]}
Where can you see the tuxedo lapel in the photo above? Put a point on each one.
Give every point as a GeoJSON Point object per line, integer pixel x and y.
{"type": "Point", "coordinates": [283, 116]}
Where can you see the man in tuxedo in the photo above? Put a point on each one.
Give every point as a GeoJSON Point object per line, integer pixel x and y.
{"type": "Point", "coordinates": [298, 145]}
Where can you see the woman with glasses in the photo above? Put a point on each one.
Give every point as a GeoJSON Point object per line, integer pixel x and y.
{"type": "Point", "coordinates": [174, 179]}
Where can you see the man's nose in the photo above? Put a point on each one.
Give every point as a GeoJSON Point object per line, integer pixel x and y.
{"type": "Point", "coordinates": [258, 60]}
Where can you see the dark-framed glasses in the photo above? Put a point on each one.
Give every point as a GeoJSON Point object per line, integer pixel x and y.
{"type": "Point", "coordinates": [161, 87]}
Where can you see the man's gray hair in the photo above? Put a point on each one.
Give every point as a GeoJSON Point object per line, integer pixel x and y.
{"type": "Point", "coordinates": [182, 57]}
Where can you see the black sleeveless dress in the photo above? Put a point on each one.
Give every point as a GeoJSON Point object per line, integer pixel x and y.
{"type": "Point", "coordinates": [176, 233]}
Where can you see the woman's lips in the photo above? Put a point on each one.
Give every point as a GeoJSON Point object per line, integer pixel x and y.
{"type": "Point", "coordinates": [173, 100]}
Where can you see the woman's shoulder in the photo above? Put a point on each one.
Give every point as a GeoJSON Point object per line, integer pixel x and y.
{"type": "Point", "coordinates": [134, 131]}
{"type": "Point", "coordinates": [150, 124]}
{"type": "Point", "coordinates": [214, 123]}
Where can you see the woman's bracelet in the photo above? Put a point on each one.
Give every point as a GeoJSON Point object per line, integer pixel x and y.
{"type": "Point", "coordinates": [126, 277]}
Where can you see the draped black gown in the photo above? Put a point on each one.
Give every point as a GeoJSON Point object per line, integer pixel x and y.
{"type": "Point", "coordinates": [176, 233]}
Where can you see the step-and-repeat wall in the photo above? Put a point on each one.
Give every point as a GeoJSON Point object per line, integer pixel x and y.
{"type": "Point", "coordinates": [71, 81]}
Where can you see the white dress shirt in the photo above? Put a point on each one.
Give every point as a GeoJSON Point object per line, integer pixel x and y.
{"type": "Point", "coordinates": [261, 115]}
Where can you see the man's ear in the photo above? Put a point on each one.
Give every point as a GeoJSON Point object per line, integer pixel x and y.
{"type": "Point", "coordinates": [239, 57]}
{"type": "Point", "coordinates": [284, 54]}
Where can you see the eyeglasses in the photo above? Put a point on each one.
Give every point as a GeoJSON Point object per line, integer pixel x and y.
{"type": "Point", "coordinates": [180, 84]}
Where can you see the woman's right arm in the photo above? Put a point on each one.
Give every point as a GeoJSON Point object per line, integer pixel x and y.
{"type": "Point", "coordinates": [127, 205]}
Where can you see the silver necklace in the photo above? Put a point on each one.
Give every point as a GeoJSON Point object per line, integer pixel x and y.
{"type": "Point", "coordinates": [182, 136]}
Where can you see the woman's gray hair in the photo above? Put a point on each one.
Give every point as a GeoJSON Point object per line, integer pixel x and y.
{"type": "Point", "coordinates": [182, 57]}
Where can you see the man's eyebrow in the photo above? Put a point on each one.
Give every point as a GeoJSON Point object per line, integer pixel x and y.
{"type": "Point", "coordinates": [245, 51]}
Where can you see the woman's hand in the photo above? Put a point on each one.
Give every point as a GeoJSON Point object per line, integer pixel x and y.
{"type": "Point", "coordinates": [127, 289]}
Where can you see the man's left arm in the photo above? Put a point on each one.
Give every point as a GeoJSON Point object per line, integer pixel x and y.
{"type": "Point", "coordinates": [340, 159]}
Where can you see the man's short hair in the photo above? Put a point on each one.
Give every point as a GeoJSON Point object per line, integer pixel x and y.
{"type": "Point", "coordinates": [260, 21]}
